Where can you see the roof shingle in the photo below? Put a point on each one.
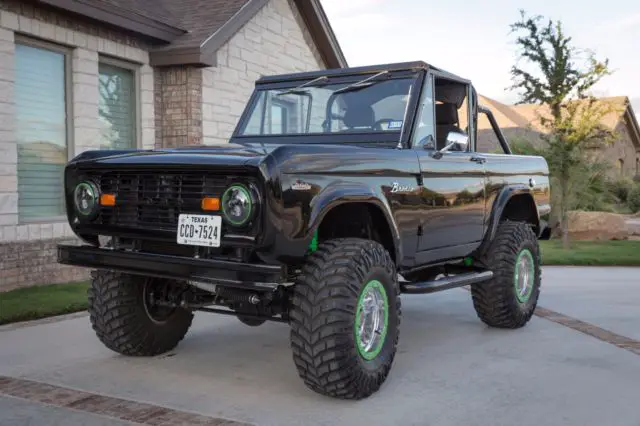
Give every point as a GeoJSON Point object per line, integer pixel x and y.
{"type": "Point", "coordinates": [199, 18]}
{"type": "Point", "coordinates": [158, 10]}
{"type": "Point", "coordinates": [191, 31]}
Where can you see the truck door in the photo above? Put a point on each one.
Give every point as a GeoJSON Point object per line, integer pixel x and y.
{"type": "Point", "coordinates": [453, 192]}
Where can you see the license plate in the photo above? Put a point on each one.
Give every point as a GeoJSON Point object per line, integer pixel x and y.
{"type": "Point", "coordinates": [199, 230]}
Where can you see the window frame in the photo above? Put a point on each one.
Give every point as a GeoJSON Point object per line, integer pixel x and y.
{"type": "Point", "coordinates": [375, 137]}
{"type": "Point", "coordinates": [135, 68]}
{"type": "Point", "coordinates": [285, 110]}
{"type": "Point", "coordinates": [427, 85]}
{"type": "Point", "coordinates": [20, 39]}
{"type": "Point", "coordinates": [436, 74]}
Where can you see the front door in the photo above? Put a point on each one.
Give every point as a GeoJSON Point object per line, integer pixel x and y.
{"type": "Point", "coordinates": [453, 200]}
{"type": "Point", "coordinates": [453, 193]}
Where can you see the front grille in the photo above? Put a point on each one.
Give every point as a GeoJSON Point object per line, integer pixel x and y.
{"type": "Point", "coordinates": [151, 200]}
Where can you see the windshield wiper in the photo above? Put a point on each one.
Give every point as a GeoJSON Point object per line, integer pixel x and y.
{"type": "Point", "coordinates": [297, 91]}
{"type": "Point", "coordinates": [361, 84]}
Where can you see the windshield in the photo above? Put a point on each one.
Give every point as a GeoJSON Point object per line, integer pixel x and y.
{"type": "Point", "coordinates": [378, 106]}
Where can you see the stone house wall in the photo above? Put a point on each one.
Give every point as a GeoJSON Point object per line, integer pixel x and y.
{"type": "Point", "coordinates": [275, 41]}
{"type": "Point", "coordinates": [27, 250]}
{"type": "Point", "coordinates": [176, 106]}
{"type": "Point", "coordinates": [622, 154]}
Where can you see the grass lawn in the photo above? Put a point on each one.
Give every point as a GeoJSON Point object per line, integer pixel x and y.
{"type": "Point", "coordinates": [596, 253]}
{"type": "Point", "coordinates": [43, 301]}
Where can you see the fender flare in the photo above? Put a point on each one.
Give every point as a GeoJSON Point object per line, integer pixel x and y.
{"type": "Point", "coordinates": [501, 201]}
{"type": "Point", "coordinates": [348, 192]}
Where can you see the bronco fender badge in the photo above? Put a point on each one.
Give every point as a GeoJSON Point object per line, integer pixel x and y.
{"type": "Point", "coordinates": [300, 186]}
{"type": "Point", "coordinates": [396, 187]}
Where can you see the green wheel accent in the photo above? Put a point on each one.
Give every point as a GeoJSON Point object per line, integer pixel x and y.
{"type": "Point", "coordinates": [313, 246]}
{"type": "Point", "coordinates": [524, 275]}
{"type": "Point", "coordinates": [226, 194]}
{"type": "Point", "coordinates": [372, 320]}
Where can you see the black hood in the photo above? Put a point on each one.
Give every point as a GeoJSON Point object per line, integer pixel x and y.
{"type": "Point", "coordinates": [228, 155]}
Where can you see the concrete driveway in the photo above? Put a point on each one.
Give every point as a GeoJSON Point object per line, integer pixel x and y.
{"type": "Point", "coordinates": [450, 369]}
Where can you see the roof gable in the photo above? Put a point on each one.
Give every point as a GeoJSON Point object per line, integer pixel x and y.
{"type": "Point", "coordinates": [191, 31]}
{"type": "Point", "coordinates": [526, 116]}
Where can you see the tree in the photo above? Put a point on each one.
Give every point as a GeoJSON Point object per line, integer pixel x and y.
{"type": "Point", "coordinates": [551, 72]}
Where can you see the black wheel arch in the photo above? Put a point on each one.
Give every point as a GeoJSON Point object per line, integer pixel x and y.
{"type": "Point", "coordinates": [336, 219]}
{"type": "Point", "coordinates": [515, 203]}
{"type": "Point", "coordinates": [327, 206]}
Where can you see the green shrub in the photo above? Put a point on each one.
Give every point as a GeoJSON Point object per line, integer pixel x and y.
{"type": "Point", "coordinates": [591, 190]}
{"type": "Point", "coordinates": [521, 146]}
{"type": "Point", "coordinates": [634, 199]}
{"type": "Point", "coordinates": [620, 189]}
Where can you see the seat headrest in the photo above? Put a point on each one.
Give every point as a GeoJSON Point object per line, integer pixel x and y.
{"type": "Point", "coordinates": [359, 117]}
{"type": "Point", "coordinates": [446, 114]}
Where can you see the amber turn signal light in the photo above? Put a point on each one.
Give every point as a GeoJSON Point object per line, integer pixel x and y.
{"type": "Point", "coordinates": [210, 204]}
{"type": "Point", "coordinates": [107, 200]}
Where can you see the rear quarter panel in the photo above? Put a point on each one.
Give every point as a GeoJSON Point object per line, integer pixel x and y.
{"type": "Point", "coordinates": [531, 173]}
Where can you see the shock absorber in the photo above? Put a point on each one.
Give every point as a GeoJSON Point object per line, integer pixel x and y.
{"type": "Point", "coordinates": [237, 296]}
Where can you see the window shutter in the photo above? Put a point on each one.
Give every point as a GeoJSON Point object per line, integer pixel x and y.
{"type": "Point", "coordinates": [41, 131]}
{"type": "Point", "coordinates": [117, 107]}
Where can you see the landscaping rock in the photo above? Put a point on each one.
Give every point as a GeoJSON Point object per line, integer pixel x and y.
{"type": "Point", "coordinates": [633, 225]}
{"type": "Point", "coordinates": [598, 226]}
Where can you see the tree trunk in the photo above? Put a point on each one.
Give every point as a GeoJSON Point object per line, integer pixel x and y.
{"type": "Point", "coordinates": [564, 210]}
{"type": "Point", "coordinates": [565, 231]}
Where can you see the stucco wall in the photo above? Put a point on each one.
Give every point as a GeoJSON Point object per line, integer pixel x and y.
{"type": "Point", "coordinates": [275, 41]}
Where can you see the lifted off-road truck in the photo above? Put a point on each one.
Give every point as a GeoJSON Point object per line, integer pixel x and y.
{"type": "Point", "coordinates": [339, 191]}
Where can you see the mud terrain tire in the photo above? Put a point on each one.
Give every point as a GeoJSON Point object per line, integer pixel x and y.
{"type": "Point", "coordinates": [121, 319]}
{"type": "Point", "coordinates": [502, 302]}
{"type": "Point", "coordinates": [340, 282]}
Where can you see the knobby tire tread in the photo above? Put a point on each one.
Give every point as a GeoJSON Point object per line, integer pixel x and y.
{"type": "Point", "coordinates": [118, 317]}
{"type": "Point", "coordinates": [322, 318]}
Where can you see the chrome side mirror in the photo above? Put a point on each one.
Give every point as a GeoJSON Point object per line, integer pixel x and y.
{"type": "Point", "coordinates": [456, 139]}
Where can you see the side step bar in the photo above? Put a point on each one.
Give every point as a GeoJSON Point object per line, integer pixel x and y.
{"type": "Point", "coordinates": [445, 283]}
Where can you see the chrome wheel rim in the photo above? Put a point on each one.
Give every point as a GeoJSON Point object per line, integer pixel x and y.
{"type": "Point", "coordinates": [372, 317]}
{"type": "Point", "coordinates": [524, 275]}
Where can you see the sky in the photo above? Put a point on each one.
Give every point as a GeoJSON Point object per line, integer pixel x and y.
{"type": "Point", "coordinates": [472, 38]}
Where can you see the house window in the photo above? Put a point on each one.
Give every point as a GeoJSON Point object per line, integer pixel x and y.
{"type": "Point", "coordinates": [279, 118]}
{"type": "Point", "coordinates": [41, 129]}
{"type": "Point", "coordinates": [117, 106]}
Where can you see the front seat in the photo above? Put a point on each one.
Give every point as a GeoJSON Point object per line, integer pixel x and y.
{"type": "Point", "coordinates": [446, 121]}
{"type": "Point", "coordinates": [356, 118]}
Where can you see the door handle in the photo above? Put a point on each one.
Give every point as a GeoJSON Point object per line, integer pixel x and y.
{"type": "Point", "coordinates": [479, 160]}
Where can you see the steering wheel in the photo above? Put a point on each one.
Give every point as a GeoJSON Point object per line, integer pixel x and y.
{"type": "Point", "coordinates": [378, 124]}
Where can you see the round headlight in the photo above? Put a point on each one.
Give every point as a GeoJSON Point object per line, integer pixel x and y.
{"type": "Point", "coordinates": [237, 205]}
{"type": "Point", "coordinates": [85, 198]}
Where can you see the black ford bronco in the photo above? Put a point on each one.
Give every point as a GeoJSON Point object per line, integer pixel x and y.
{"type": "Point", "coordinates": [338, 191]}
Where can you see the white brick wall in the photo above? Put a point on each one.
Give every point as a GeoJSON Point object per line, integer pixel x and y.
{"type": "Point", "coordinates": [273, 42]}
{"type": "Point", "coordinates": [85, 51]}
